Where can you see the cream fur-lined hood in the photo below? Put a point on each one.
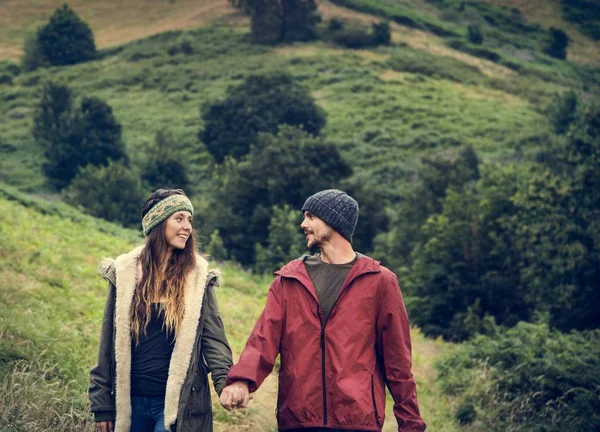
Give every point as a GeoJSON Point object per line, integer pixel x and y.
{"type": "Point", "coordinates": [122, 272]}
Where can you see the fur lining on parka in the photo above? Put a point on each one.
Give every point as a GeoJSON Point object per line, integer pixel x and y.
{"type": "Point", "coordinates": [122, 272]}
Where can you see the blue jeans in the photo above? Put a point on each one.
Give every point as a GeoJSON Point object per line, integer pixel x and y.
{"type": "Point", "coordinates": [147, 414]}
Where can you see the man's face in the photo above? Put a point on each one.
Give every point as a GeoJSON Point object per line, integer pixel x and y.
{"type": "Point", "coordinates": [316, 231]}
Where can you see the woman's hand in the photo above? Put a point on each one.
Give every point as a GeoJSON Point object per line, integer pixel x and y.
{"type": "Point", "coordinates": [105, 426]}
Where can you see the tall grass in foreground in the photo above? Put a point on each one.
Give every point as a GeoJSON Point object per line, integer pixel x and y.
{"type": "Point", "coordinates": [32, 399]}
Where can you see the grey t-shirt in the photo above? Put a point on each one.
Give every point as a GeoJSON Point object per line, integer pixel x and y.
{"type": "Point", "coordinates": [327, 279]}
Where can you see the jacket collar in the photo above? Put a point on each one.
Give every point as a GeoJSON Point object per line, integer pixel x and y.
{"type": "Point", "coordinates": [297, 270]}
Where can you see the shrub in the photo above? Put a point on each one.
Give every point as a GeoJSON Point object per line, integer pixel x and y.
{"type": "Point", "coordinates": [285, 241]}
{"type": "Point", "coordinates": [528, 378]}
{"type": "Point", "coordinates": [66, 39]}
{"type": "Point", "coordinates": [113, 192]}
{"type": "Point", "coordinates": [555, 43]}
{"type": "Point", "coordinates": [563, 111]}
{"type": "Point", "coordinates": [259, 104]}
{"type": "Point", "coordinates": [474, 34]}
{"type": "Point", "coordinates": [335, 24]}
{"type": "Point", "coordinates": [382, 34]}
{"type": "Point", "coordinates": [164, 165]}
{"type": "Point", "coordinates": [354, 38]}
{"type": "Point", "coordinates": [215, 248]}
{"type": "Point", "coordinates": [32, 58]}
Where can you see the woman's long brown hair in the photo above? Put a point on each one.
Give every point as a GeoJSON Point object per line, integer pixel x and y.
{"type": "Point", "coordinates": [159, 282]}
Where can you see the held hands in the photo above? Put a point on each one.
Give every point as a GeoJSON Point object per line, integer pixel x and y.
{"type": "Point", "coordinates": [235, 395]}
{"type": "Point", "coordinates": [105, 426]}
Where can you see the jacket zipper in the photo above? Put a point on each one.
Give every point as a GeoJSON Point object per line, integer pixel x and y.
{"type": "Point", "coordinates": [374, 402]}
{"type": "Point", "coordinates": [323, 378]}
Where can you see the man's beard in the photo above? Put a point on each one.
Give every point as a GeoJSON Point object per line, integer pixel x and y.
{"type": "Point", "coordinates": [317, 243]}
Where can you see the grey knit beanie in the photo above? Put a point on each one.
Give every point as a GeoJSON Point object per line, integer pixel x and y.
{"type": "Point", "coordinates": [336, 208]}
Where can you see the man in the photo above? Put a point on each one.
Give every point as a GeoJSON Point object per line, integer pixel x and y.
{"type": "Point", "coordinates": [339, 323]}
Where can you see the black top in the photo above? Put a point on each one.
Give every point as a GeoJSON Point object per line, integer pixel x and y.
{"type": "Point", "coordinates": [327, 279]}
{"type": "Point", "coordinates": [150, 357]}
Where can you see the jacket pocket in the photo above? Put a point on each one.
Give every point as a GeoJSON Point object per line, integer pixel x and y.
{"type": "Point", "coordinates": [377, 418]}
{"type": "Point", "coordinates": [199, 403]}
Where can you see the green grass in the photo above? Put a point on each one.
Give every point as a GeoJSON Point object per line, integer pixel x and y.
{"type": "Point", "coordinates": [51, 305]}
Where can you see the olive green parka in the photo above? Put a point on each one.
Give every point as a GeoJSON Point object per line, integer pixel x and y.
{"type": "Point", "coordinates": [200, 347]}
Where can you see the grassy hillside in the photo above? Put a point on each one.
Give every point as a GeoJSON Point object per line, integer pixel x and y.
{"type": "Point", "coordinates": [113, 22]}
{"type": "Point", "coordinates": [51, 304]}
{"type": "Point", "coordinates": [386, 107]}
{"type": "Point", "coordinates": [429, 92]}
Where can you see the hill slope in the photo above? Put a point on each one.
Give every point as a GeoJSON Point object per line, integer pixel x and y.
{"type": "Point", "coordinates": [51, 304]}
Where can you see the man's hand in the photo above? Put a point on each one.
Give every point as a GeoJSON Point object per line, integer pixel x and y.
{"type": "Point", "coordinates": [235, 395]}
{"type": "Point", "coordinates": [105, 426]}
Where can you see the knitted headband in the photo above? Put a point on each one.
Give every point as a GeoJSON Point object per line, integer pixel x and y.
{"type": "Point", "coordinates": [164, 209]}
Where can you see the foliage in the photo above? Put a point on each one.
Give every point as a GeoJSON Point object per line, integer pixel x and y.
{"type": "Point", "coordinates": [559, 235]}
{"type": "Point", "coordinates": [335, 24]}
{"type": "Point", "coordinates": [585, 14]}
{"type": "Point", "coordinates": [555, 43]}
{"type": "Point", "coordinates": [528, 378]}
{"type": "Point", "coordinates": [163, 166]}
{"type": "Point", "coordinates": [100, 133]}
{"type": "Point", "coordinates": [357, 37]}
{"type": "Point", "coordinates": [113, 192]}
{"type": "Point", "coordinates": [281, 169]}
{"type": "Point", "coordinates": [260, 104]}
{"type": "Point", "coordinates": [275, 21]}
{"type": "Point", "coordinates": [73, 138]}
{"type": "Point", "coordinates": [474, 34]}
{"type": "Point", "coordinates": [66, 39]}
{"type": "Point", "coordinates": [53, 131]}
{"type": "Point", "coordinates": [524, 240]}
{"type": "Point", "coordinates": [33, 57]}
{"type": "Point", "coordinates": [464, 270]}
{"type": "Point", "coordinates": [284, 242]}
{"type": "Point", "coordinates": [353, 38]}
{"type": "Point", "coordinates": [382, 34]}
{"type": "Point", "coordinates": [215, 247]}
{"type": "Point", "coordinates": [564, 111]}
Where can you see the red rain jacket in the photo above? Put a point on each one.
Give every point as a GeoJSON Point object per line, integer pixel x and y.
{"type": "Point", "coordinates": [333, 373]}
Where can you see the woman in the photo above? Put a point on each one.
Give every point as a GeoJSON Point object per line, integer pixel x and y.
{"type": "Point", "coordinates": [161, 332]}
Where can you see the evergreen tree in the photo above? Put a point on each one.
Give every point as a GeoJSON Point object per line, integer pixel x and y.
{"type": "Point", "coordinates": [53, 132]}
{"type": "Point", "coordinates": [74, 137]}
{"type": "Point", "coordinates": [100, 133]}
{"type": "Point", "coordinates": [275, 21]}
{"type": "Point", "coordinates": [66, 39]}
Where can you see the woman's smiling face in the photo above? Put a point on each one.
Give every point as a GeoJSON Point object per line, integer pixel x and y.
{"type": "Point", "coordinates": [178, 229]}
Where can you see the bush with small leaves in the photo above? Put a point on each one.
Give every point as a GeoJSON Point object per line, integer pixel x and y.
{"type": "Point", "coordinates": [113, 192]}
{"type": "Point", "coordinates": [474, 34]}
{"type": "Point", "coordinates": [555, 43]}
